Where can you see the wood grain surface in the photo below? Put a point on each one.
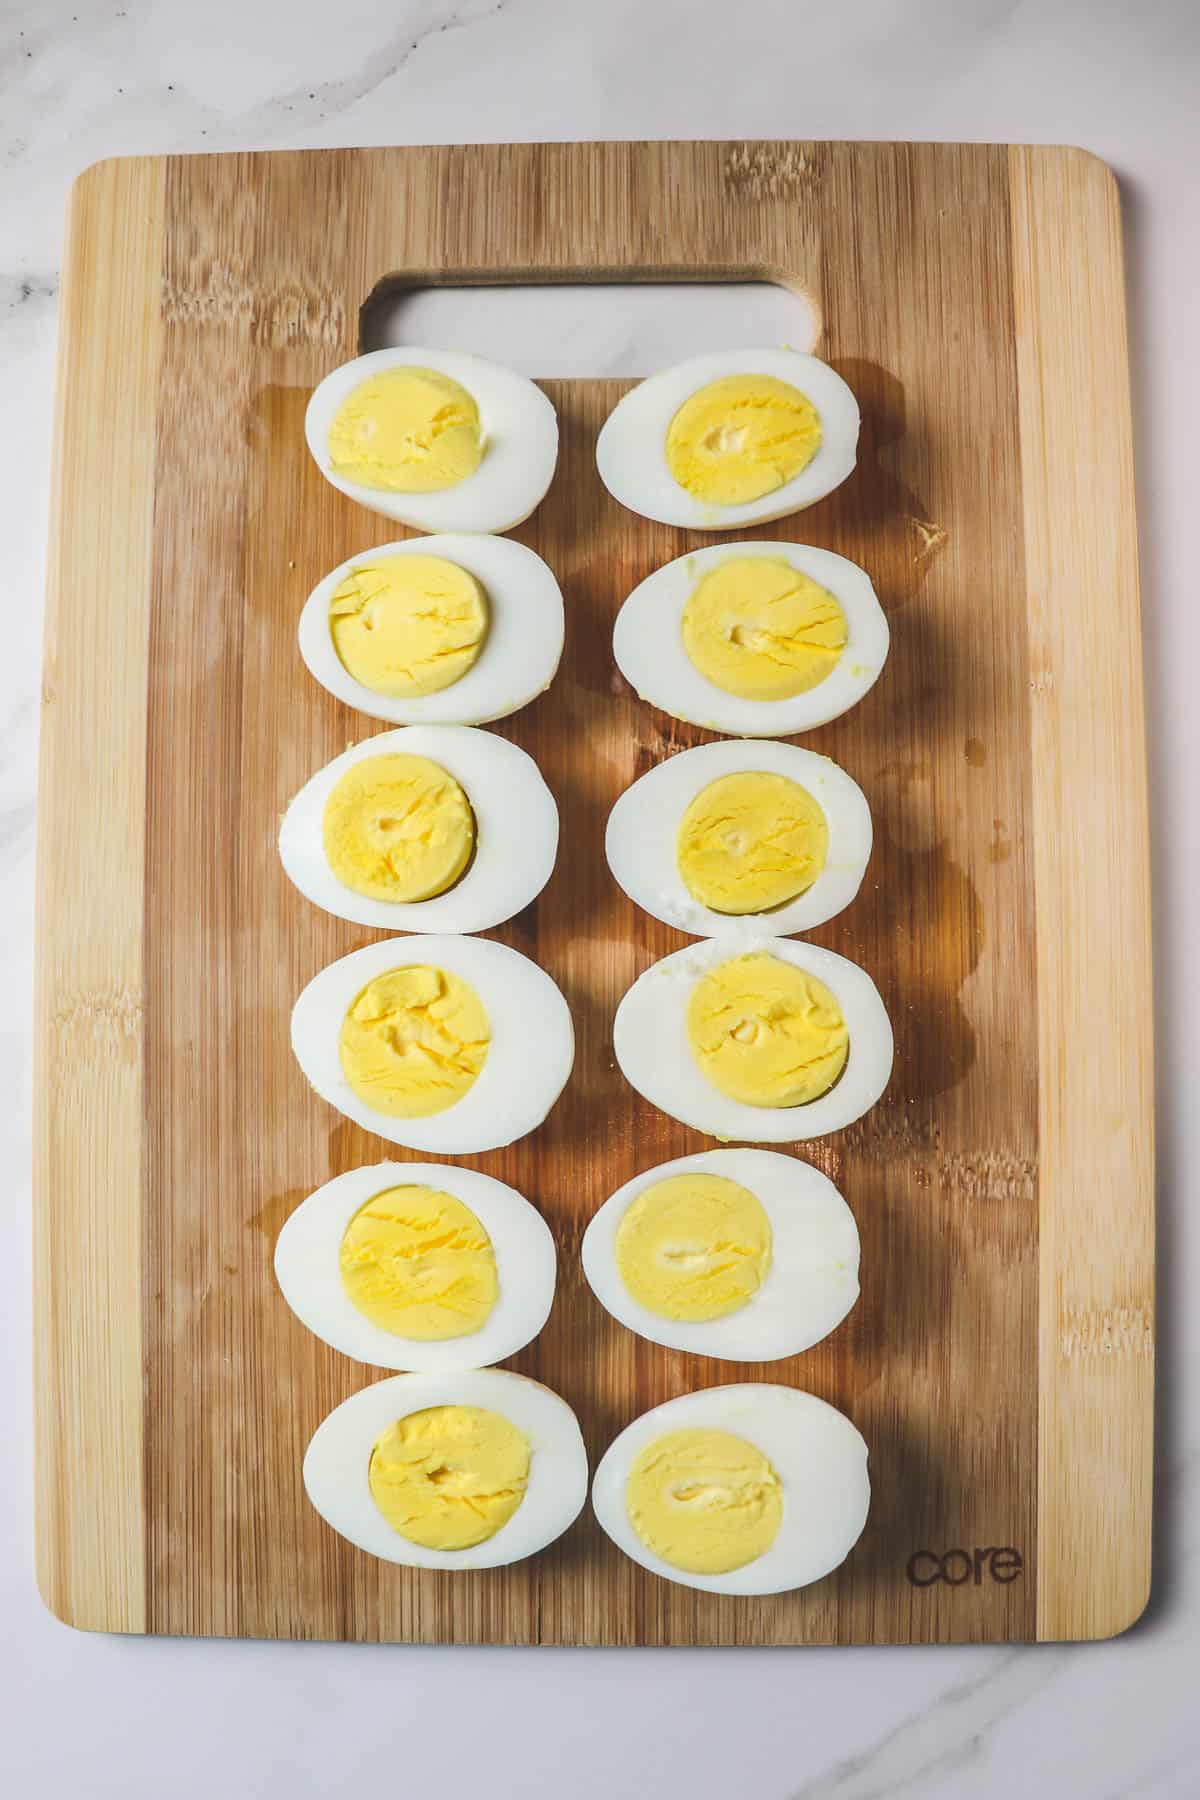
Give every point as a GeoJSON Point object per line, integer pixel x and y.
{"type": "Point", "coordinates": [999, 1360]}
{"type": "Point", "coordinates": [1089, 815]}
{"type": "Point", "coordinates": [90, 1190]}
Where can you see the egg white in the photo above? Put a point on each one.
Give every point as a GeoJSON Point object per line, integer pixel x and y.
{"type": "Point", "coordinates": [520, 654]}
{"type": "Point", "coordinates": [810, 1287]}
{"type": "Point", "coordinates": [631, 452]}
{"type": "Point", "coordinates": [308, 1269]}
{"type": "Point", "coordinates": [818, 1455]}
{"type": "Point", "coordinates": [648, 644]}
{"type": "Point", "coordinates": [519, 428]}
{"type": "Point", "coordinates": [528, 1061]}
{"type": "Point", "coordinates": [338, 1459]}
{"type": "Point", "coordinates": [652, 1050]}
{"type": "Point", "coordinates": [643, 826]}
{"type": "Point", "coordinates": [516, 833]}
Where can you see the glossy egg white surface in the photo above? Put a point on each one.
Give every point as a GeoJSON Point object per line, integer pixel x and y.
{"type": "Point", "coordinates": [631, 449]}
{"type": "Point", "coordinates": [819, 1456]}
{"type": "Point", "coordinates": [649, 651]}
{"type": "Point", "coordinates": [810, 1287]}
{"type": "Point", "coordinates": [338, 1458]}
{"type": "Point", "coordinates": [520, 654]}
{"type": "Point", "coordinates": [518, 425]}
{"type": "Point", "coordinates": [651, 1045]}
{"type": "Point", "coordinates": [516, 833]}
{"type": "Point", "coordinates": [528, 1062]}
{"type": "Point", "coordinates": [640, 840]}
{"type": "Point", "coordinates": [308, 1271]}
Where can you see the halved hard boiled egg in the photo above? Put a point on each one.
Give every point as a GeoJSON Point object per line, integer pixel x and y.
{"type": "Point", "coordinates": [428, 828]}
{"type": "Point", "coordinates": [766, 1040]}
{"type": "Point", "coordinates": [465, 1470]}
{"type": "Point", "coordinates": [754, 639]}
{"type": "Point", "coordinates": [444, 1044]}
{"type": "Point", "coordinates": [729, 439]}
{"type": "Point", "coordinates": [737, 837]}
{"type": "Point", "coordinates": [418, 1266]}
{"type": "Point", "coordinates": [455, 630]}
{"type": "Point", "coordinates": [742, 1254]}
{"type": "Point", "coordinates": [438, 439]}
{"type": "Point", "coordinates": [747, 1489]}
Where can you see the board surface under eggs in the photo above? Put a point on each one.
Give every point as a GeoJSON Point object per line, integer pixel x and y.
{"type": "Point", "coordinates": [971, 298]}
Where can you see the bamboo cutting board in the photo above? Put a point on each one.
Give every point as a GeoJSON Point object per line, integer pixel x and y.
{"type": "Point", "coordinates": [999, 1362]}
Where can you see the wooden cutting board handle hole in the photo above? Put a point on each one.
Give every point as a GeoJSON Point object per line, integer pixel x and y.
{"type": "Point", "coordinates": [617, 324]}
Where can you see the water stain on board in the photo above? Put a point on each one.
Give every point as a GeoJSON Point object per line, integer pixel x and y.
{"type": "Point", "coordinates": [274, 1213]}
{"type": "Point", "coordinates": [875, 518]}
{"type": "Point", "coordinates": [938, 939]}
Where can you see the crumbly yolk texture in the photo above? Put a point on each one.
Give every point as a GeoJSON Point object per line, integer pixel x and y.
{"type": "Point", "coordinates": [408, 430]}
{"type": "Point", "coordinates": [414, 1041]}
{"type": "Point", "coordinates": [408, 625]}
{"type": "Point", "coordinates": [756, 627]}
{"type": "Point", "coordinates": [450, 1476]}
{"type": "Point", "coordinates": [750, 841]}
{"type": "Point", "coordinates": [704, 1500]}
{"type": "Point", "coordinates": [694, 1247]}
{"type": "Point", "coordinates": [741, 437]}
{"type": "Point", "coordinates": [417, 1263]}
{"type": "Point", "coordinates": [398, 828]}
{"type": "Point", "coordinates": [765, 1032]}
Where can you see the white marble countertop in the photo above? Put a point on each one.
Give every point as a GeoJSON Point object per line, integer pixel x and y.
{"type": "Point", "coordinates": [81, 79]}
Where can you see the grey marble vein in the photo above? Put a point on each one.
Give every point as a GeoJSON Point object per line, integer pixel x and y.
{"type": "Point", "coordinates": [945, 1734]}
{"type": "Point", "coordinates": [27, 290]}
{"type": "Point", "coordinates": [405, 43]}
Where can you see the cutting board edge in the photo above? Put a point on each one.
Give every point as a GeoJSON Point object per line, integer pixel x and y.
{"type": "Point", "coordinates": [1096, 1164]}
{"type": "Point", "coordinates": [87, 1176]}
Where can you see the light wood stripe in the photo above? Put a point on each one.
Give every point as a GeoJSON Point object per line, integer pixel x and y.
{"type": "Point", "coordinates": [1091, 854]}
{"type": "Point", "coordinates": [88, 1210]}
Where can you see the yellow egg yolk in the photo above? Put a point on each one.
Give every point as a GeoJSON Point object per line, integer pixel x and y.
{"type": "Point", "coordinates": [414, 1041]}
{"type": "Point", "coordinates": [398, 828]}
{"type": "Point", "coordinates": [450, 1476]}
{"type": "Point", "coordinates": [741, 437]}
{"type": "Point", "coordinates": [694, 1247]}
{"type": "Point", "coordinates": [408, 625]}
{"type": "Point", "coordinates": [758, 628]}
{"type": "Point", "coordinates": [409, 430]}
{"type": "Point", "coordinates": [750, 841]}
{"type": "Point", "coordinates": [704, 1500]}
{"type": "Point", "coordinates": [417, 1263]}
{"type": "Point", "coordinates": [765, 1032]}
